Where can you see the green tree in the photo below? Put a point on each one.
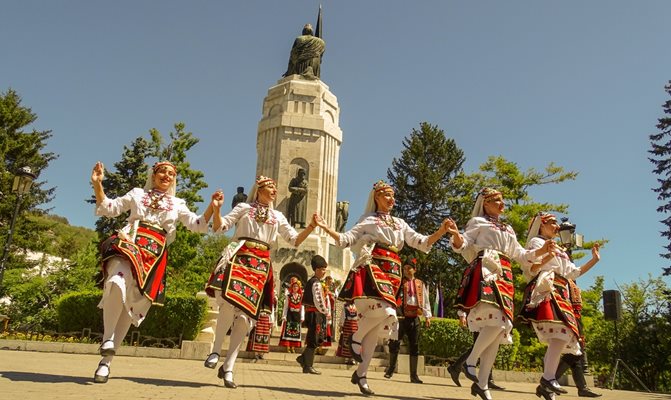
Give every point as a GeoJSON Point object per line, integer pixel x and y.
{"type": "Point", "coordinates": [641, 339]}
{"type": "Point", "coordinates": [661, 159]}
{"type": "Point", "coordinates": [423, 178]}
{"type": "Point", "coordinates": [20, 146]}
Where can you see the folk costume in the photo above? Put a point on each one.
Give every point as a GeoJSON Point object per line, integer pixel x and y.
{"type": "Point", "coordinates": [134, 259]}
{"type": "Point", "coordinates": [348, 323]}
{"type": "Point", "coordinates": [487, 290]}
{"type": "Point", "coordinates": [293, 315]}
{"type": "Point", "coordinates": [549, 304]}
{"type": "Point", "coordinates": [376, 277]}
{"type": "Point", "coordinates": [242, 282]}
{"type": "Point", "coordinates": [412, 302]}
{"type": "Point", "coordinates": [328, 322]}
{"type": "Point", "coordinates": [316, 312]}
{"type": "Point", "coordinates": [259, 336]}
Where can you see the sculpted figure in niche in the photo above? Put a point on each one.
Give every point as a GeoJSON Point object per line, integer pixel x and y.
{"type": "Point", "coordinates": [306, 55]}
{"type": "Point", "coordinates": [298, 187]}
{"type": "Point", "coordinates": [342, 213]}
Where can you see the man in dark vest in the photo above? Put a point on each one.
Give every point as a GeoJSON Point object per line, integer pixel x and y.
{"type": "Point", "coordinates": [412, 301]}
{"type": "Point", "coordinates": [316, 312]}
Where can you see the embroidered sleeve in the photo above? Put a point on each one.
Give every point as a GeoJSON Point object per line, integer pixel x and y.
{"type": "Point", "coordinates": [114, 207]}
{"type": "Point", "coordinates": [353, 235]}
{"type": "Point", "coordinates": [191, 220]}
{"type": "Point", "coordinates": [414, 239]}
{"type": "Point", "coordinates": [320, 299]}
{"type": "Point", "coordinates": [234, 216]}
{"type": "Point", "coordinates": [470, 235]}
{"type": "Point", "coordinates": [285, 230]}
{"type": "Point", "coordinates": [426, 304]}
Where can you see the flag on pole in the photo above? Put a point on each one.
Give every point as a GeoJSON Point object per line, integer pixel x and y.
{"type": "Point", "coordinates": [438, 302]}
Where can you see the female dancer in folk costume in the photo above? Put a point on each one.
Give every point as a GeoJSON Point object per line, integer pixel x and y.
{"type": "Point", "coordinates": [348, 323]}
{"type": "Point", "coordinates": [547, 300]}
{"type": "Point", "coordinates": [376, 276]}
{"type": "Point", "coordinates": [242, 283]}
{"type": "Point", "coordinates": [486, 291]}
{"type": "Point", "coordinates": [293, 315]}
{"type": "Point", "coordinates": [135, 258]}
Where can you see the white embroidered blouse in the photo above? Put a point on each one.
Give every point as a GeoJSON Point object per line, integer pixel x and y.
{"type": "Point", "coordinates": [384, 229]}
{"type": "Point", "coordinates": [482, 233]}
{"type": "Point", "coordinates": [155, 208]}
{"type": "Point", "coordinates": [243, 216]}
{"type": "Point", "coordinates": [560, 263]}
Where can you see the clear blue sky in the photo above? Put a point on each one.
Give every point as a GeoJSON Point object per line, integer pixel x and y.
{"type": "Point", "coordinates": [579, 83]}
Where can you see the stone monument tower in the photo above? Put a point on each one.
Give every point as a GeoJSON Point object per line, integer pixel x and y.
{"type": "Point", "coordinates": [298, 145]}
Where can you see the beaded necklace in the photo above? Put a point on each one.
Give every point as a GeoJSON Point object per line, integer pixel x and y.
{"type": "Point", "coordinates": [155, 198]}
{"type": "Point", "coordinates": [261, 213]}
{"type": "Point", "coordinates": [387, 219]}
{"type": "Point", "coordinates": [497, 223]}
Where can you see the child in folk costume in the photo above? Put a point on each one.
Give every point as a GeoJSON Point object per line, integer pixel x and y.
{"type": "Point", "coordinates": [547, 300]}
{"type": "Point", "coordinates": [413, 302]}
{"type": "Point", "coordinates": [487, 290]}
{"type": "Point", "coordinates": [135, 258]}
{"type": "Point", "coordinates": [293, 315]}
{"type": "Point", "coordinates": [348, 325]}
{"type": "Point", "coordinates": [316, 312]}
{"type": "Point", "coordinates": [242, 282]}
{"type": "Point", "coordinates": [259, 337]}
{"type": "Point", "coordinates": [376, 276]}
{"type": "Point", "coordinates": [328, 323]}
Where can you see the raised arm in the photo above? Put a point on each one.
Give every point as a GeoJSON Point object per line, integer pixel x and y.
{"type": "Point", "coordinates": [596, 256]}
{"type": "Point", "coordinates": [319, 221]}
{"type": "Point", "coordinates": [97, 177]}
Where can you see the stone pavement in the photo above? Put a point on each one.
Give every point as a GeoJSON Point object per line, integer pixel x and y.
{"type": "Point", "coordinates": [26, 375]}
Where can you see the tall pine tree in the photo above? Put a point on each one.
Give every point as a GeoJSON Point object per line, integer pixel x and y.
{"type": "Point", "coordinates": [425, 181]}
{"type": "Point", "coordinates": [661, 158]}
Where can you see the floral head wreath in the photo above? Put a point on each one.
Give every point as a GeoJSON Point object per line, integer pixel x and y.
{"type": "Point", "coordinates": [411, 261]}
{"type": "Point", "coordinates": [382, 186]}
{"type": "Point", "coordinates": [149, 184]}
{"type": "Point", "coordinates": [162, 164]}
{"type": "Point", "coordinates": [537, 220]}
{"type": "Point", "coordinates": [262, 181]}
{"type": "Point", "coordinates": [484, 195]}
{"type": "Point", "coordinates": [295, 281]}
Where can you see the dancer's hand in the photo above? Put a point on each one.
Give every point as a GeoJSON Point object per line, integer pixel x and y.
{"type": "Point", "coordinates": [98, 173]}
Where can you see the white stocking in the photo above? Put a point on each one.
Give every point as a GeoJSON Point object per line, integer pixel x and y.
{"type": "Point", "coordinates": [552, 356]}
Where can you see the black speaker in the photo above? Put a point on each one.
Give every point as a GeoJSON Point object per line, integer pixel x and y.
{"type": "Point", "coordinates": [612, 305]}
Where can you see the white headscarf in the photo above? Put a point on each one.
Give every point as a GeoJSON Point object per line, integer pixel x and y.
{"type": "Point", "coordinates": [537, 221]}
{"type": "Point", "coordinates": [149, 185]}
{"type": "Point", "coordinates": [484, 194]}
{"type": "Point", "coordinates": [379, 186]}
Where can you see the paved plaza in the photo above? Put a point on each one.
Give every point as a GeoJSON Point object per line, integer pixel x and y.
{"type": "Point", "coordinates": [29, 375]}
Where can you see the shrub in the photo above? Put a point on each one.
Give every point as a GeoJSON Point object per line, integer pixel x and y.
{"type": "Point", "coordinates": [447, 340]}
{"type": "Point", "coordinates": [180, 316]}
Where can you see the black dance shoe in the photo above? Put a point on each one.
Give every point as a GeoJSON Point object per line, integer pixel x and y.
{"type": "Point", "coordinates": [212, 360]}
{"type": "Point", "coordinates": [97, 378]}
{"type": "Point", "coordinates": [356, 356]}
{"type": "Point", "coordinates": [544, 393]}
{"type": "Point", "coordinates": [492, 385]}
{"type": "Point", "coordinates": [107, 348]}
{"type": "Point", "coordinates": [477, 391]}
{"type": "Point", "coordinates": [469, 375]}
{"type": "Point", "coordinates": [586, 392]}
{"type": "Point", "coordinates": [454, 370]}
{"type": "Point", "coordinates": [415, 379]}
{"type": "Point", "coordinates": [553, 385]}
{"type": "Point", "coordinates": [221, 374]}
{"type": "Point", "coordinates": [356, 379]}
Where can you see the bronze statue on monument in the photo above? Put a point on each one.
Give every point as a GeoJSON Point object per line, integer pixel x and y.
{"type": "Point", "coordinates": [306, 53]}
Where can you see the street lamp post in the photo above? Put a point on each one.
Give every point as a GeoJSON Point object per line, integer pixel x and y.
{"type": "Point", "coordinates": [22, 183]}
